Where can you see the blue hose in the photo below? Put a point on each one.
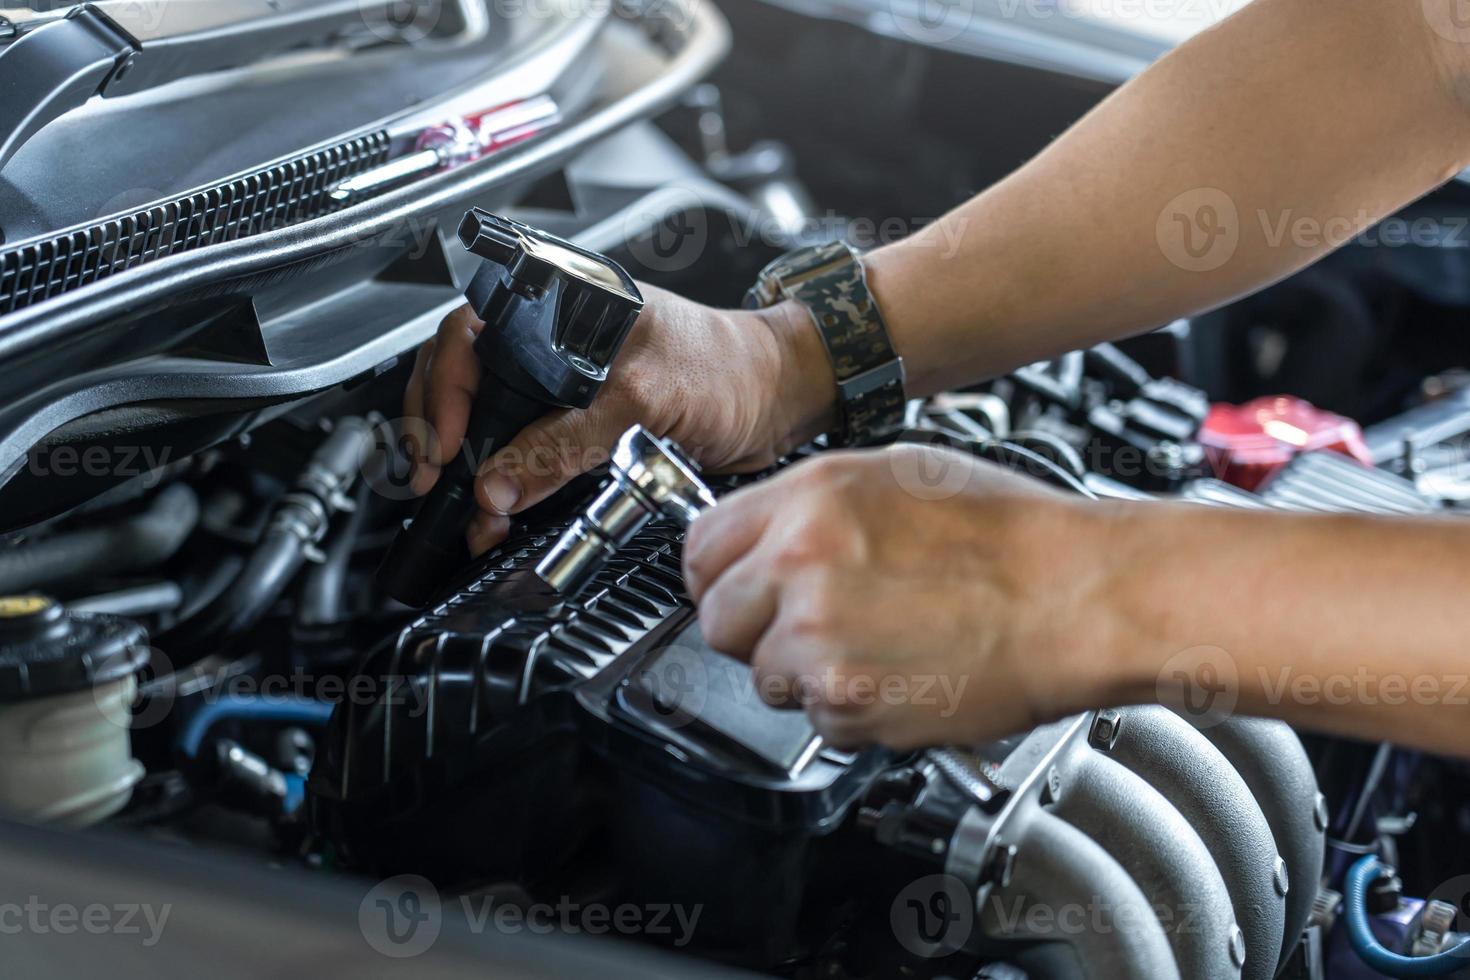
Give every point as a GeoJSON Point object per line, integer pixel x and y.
{"type": "Point", "coordinates": [1355, 906]}
{"type": "Point", "coordinates": [286, 710]}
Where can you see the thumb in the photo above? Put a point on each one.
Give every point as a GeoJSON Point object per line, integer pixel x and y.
{"type": "Point", "coordinates": [544, 457]}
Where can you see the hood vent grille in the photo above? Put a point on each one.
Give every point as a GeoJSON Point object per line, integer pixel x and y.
{"type": "Point", "coordinates": [291, 191]}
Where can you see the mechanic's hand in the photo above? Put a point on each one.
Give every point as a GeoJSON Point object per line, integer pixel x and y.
{"type": "Point", "coordinates": [735, 389]}
{"type": "Point", "coordinates": [911, 596]}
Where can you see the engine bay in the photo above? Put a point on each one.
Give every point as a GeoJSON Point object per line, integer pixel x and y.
{"type": "Point", "coordinates": [196, 650]}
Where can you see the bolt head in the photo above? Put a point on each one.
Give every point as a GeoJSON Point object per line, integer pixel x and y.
{"type": "Point", "coordinates": [1105, 729]}
{"type": "Point", "coordinates": [1237, 946]}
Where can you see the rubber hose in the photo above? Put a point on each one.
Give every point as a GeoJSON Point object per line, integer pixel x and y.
{"type": "Point", "coordinates": [285, 710]}
{"type": "Point", "coordinates": [140, 541]}
{"type": "Point", "coordinates": [1377, 956]}
{"type": "Point", "coordinates": [282, 548]}
{"type": "Point", "coordinates": [269, 569]}
{"type": "Point", "coordinates": [320, 603]}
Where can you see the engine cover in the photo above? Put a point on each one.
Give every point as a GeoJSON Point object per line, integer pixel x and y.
{"type": "Point", "coordinates": [516, 734]}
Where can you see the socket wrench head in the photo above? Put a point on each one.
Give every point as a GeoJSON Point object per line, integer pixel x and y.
{"type": "Point", "coordinates": [651, 478]}
{"type": "Point", "coordinates": [658, 470]}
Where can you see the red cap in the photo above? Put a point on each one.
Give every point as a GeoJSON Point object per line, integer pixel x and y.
{"type": "Point", "coordinates": [1246, 444]}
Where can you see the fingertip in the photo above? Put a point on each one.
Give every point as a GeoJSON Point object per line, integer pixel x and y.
{"type": "Point", "coordinates": [497, 491]}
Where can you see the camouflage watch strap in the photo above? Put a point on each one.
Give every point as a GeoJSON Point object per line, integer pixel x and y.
{"type": "Point", "coordinates": [829, 281]}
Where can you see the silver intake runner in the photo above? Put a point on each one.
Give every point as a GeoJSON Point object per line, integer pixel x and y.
{"type": "Point", "coordinates": [650, 478]}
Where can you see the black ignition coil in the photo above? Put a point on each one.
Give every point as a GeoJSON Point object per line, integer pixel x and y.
{"type": "Point", "coordinates": [555, 317]}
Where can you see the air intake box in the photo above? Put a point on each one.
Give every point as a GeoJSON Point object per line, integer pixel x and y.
{"type": "Point", "coordinates": [513, 735]}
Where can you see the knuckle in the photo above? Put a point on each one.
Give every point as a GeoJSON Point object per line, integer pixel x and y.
{"type": "Point", "coordinates": [816, 541]}
{"type": "Point", "coordinates": [829, 475]}
{"type": "Point", "coordinates": [715, 623]}
{"type": "Point", "coordinates": [773, 685]}
{"type": "Point", "coordinates": [698, 567]}
{"type": "Point", "coordinates": [821, 611]}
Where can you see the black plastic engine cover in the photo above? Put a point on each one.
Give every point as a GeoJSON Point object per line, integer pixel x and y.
{"type": "Point", "coordinates": [514, 735]}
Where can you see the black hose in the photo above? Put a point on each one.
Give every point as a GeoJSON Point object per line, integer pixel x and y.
{"type": "Point", "coordinates": [298, 522]}
{"type": "Point", "coordinates": [141, 541]}
{"type": "Point", "coordinates": [138, 600]}
{"type": "Point", "coordinates": [320, 603]}
{"type": "Point", "coordinates": [270, 567]}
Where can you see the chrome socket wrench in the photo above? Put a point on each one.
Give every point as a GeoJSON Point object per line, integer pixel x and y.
{"type": "Point", "coordinates": [651, 478]}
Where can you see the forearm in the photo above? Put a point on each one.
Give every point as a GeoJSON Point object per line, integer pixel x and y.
{"type": "Point", "coordinates": [1305, 114]}
{"type": "Point", "coordinates": [1351, 625]}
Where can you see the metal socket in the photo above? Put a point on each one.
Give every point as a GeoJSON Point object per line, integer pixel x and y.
{"type": "Point", "coordinates": [650, 478]}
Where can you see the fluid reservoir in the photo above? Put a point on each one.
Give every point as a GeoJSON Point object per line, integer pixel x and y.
{"type": "Point", "coordinates": [67, 683]}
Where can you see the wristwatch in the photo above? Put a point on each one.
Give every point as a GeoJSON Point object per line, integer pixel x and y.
{"type": "Point", "coordinates": [829, 281]}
